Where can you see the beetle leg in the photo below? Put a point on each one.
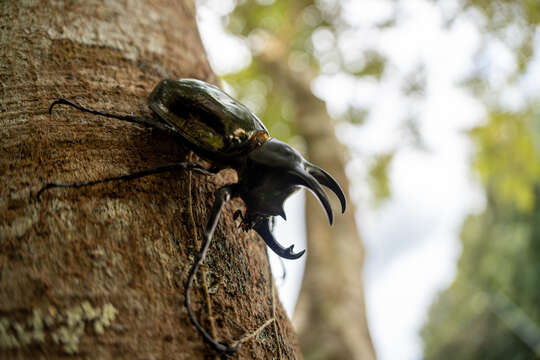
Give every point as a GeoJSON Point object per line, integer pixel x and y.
{"type": "Point", "coordinates": [129, 118]}
{"type": "Point", "coordinates": [263, 228]}
{"type": "Point", "coordinates": [135, 175]}
{"type": "Point", "coordinates": [222, 196]}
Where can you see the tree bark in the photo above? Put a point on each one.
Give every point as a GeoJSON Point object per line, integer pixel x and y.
{"type": "Point", "coordinates": [99, 272]}
{"type": "Point", "coordinates": [332, 295]}
{"type": "Point", "coordinates": [330, 316]}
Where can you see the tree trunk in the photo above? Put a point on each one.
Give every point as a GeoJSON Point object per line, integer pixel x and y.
{"type": "Point", "coordinates": [99, 272]}
{"type": "Point", "coordinates": [330, 316]}
{"type": "Point", "coordinates": [332, 296]}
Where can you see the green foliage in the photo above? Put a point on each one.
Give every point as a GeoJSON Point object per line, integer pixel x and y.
{"type": "Point", "coordinates": [374, 65]}
{"type": "Point", "coordinates": [503, 17]}
{"type": "Point", "coordinates": [378, 177]}
{"type": "Point", "coordinates": [257, 91]}
{"type": "Point", "coordinates": [275, 26]}
{"type": "Point", "coordinates": [491, 311]}
{"type": "Point", "coordinates": [356, 115]}
{"type": "Point", "coordinates": [507, 158]}
{"type": "Point", "coordinates": [289, 22]}
{"type": "Point", "coordinates": [273, 17]}
{"type": "Point", "coordinates": [503, 12]}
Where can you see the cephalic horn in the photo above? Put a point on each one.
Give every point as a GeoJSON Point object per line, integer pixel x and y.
{"type": "Point", "coordinates": [327, 180]}
{"type": "Point", "coordinates": [311, 183]}
{"type": "Point", "coordinates": [263, 228]}
{"type": "Point", "coordinates": [282, 214]}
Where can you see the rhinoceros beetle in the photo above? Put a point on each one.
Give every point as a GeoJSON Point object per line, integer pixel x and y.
{"type": "Point", "coordinates": [220, 129]}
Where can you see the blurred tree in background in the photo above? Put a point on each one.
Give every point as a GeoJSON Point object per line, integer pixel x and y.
{"type": "Point", "coordinates": [491, 311]}
{"type": "Point", "coordinates": [290, 42]}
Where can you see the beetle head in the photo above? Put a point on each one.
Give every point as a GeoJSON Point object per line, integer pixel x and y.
{"type": "Point", "coordinates": [273, 172]}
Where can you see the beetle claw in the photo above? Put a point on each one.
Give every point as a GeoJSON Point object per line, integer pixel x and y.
{"type": "Point", "coordinates": [263, 229]}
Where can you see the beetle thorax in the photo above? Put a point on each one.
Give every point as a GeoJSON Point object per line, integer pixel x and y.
{"type": "Point", "coordinates": [264, 192]}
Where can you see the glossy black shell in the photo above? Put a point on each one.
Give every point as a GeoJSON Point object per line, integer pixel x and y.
{"type": "Point", "coordinates": [210, 120]}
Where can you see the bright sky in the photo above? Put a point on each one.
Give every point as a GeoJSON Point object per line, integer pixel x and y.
{"type": "Point", "coordinates": [412, 240]}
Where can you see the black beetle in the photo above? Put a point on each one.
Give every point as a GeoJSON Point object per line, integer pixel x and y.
{"type": "Point", "coordinates": [225, 132]}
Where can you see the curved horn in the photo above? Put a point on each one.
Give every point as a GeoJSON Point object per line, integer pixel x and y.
{"type": "Point", "coordinates": [327, 180]}
{"type": "Point", "coordinates": [311, 183]}
{"type": "Point", "coordinates": [263, 228]}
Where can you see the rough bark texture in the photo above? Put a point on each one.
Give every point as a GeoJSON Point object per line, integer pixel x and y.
{"type": "Point", "coordinates": [330, 316]}
{"type": "Point", "coordinates": [332, 296]}
{"type": "Point", "coordinates": [99, 272]}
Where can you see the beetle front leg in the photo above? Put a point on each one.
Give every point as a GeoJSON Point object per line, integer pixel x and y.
{"type": "Point", "coordinates": [222, 196]}
{"type": "Point", "coordinates": [135, 175]}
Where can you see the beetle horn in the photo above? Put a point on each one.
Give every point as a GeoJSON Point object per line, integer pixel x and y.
{"type": "Point", "coordinates": [263, 228]}
{"type": "Point", "coordinates": [282, 214]}
{"type": "Point", "coordinates": [327, 180]}
{"type": "Point", "coordinates": [311, 183]}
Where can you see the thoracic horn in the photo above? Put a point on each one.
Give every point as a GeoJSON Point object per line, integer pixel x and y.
{"type": "Point", "coordinates": [327, 180]}
{"type": "Point", "coordinates": [305, 179]}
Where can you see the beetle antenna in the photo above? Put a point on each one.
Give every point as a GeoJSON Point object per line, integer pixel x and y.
{"type": "Point", "coordinates": [222, 196]}
{"type": "Point", "coordinates": [128, 118]}
{"type": "Point", "coordinates": [135, 175]}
